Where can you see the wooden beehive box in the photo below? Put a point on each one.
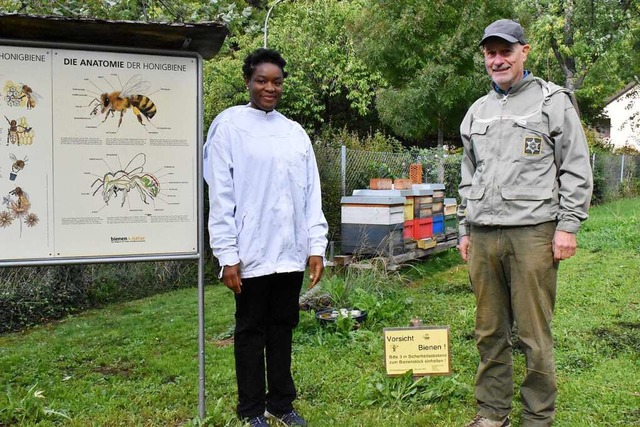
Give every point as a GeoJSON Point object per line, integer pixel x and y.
{"type": "Point", "coordinates": [372, 224]}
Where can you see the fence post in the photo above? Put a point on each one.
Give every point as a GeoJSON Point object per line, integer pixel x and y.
{"type": "Point", "coordinates": [343, 168]}
{"type": "Point", "coordinates": [593, 162]}
{"type": "Point", "coordinates": [622, 168]}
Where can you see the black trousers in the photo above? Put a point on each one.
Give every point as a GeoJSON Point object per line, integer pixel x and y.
{"type": "Point", "coordinates": [267, 311]}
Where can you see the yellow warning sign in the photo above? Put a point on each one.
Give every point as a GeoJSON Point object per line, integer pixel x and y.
{"type": "Point", "coordinates": [424, 349]}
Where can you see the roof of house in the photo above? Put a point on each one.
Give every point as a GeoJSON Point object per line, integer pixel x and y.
{"type": "Point", "coordinates": [617, 95]}
{"type": "Point", "coordinates": [204, 38]}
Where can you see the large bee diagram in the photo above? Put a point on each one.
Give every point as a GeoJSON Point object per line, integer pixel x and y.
{"type": "Point", "coordinates": [127, 179]}
{"type": "Point", "coordinates": [131, 96]}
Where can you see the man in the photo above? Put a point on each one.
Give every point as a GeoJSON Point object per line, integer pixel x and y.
{"type": "Point", "coordinates": [525, 188]}
{"type": "Point", "coordinates": [265, 222]}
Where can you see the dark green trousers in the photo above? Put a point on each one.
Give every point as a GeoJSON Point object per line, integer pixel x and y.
{"type": "Point", "coordinates": [514, 279]}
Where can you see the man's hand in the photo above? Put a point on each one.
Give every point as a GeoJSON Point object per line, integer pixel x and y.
{"type": "Point", "coordinates": [315, 270]}
{"type": "Point", "coordinates": [231, 277]}
{"type": "Point", "coordinates": [564, 245]}
{"type": "Point", "coordinates": [463, 248]}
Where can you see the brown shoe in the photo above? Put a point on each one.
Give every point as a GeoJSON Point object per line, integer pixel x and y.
{"type": "Point", "coordinates": [480, 421]}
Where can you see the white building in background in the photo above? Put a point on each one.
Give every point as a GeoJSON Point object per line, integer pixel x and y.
{"type": "Point", "coordinates": [623, 110]}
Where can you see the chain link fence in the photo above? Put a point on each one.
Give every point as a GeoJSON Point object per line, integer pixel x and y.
{"type": "Point", "coordinates": [615, 176]}
{"type": "Point", "coordinates": [356, 167]}
{"type": "Point", "coordinates": [343, 170]}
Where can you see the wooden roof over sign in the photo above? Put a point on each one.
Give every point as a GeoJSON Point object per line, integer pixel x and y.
{"type": "Point", "coordinates": [204, 38]}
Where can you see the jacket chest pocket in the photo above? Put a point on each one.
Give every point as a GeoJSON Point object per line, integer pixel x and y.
{"type": "Point", "coordinates": [483, 145]}
{"type": "Point", "coordinates": [297, 166]}
{"type": "Point", "coordinates": [531, 143]}
{"type": "Point", "coordinates": [533, 156]}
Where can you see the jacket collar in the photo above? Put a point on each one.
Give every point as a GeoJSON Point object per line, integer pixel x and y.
{"type": "Point", "coordinates": [520, 83]}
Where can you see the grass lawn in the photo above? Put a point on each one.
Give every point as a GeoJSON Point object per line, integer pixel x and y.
{"type": "Point", "coordinates": [136, 364]}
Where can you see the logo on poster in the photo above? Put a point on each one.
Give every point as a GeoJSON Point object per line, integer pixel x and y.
{"type": "Point", "coordinates": [131, 239]}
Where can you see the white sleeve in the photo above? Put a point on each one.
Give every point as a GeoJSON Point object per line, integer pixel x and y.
{"type": "Point", "coordinates": [316, 221]}
{"type": "Point", "coordinates": [218, 172]}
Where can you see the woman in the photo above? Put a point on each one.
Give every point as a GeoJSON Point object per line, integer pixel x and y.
{"type": "Point", "coordinates": [265, 224]}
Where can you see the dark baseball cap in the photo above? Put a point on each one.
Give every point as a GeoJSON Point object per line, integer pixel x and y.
{"type": "Point", "coordinates": [505, 29]}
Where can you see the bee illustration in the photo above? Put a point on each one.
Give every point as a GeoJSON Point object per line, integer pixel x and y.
{"type": "Point", "coordinates": [131, 96]}
{"type": "Point", "coordinates": [22, 204]}
{"type": "Point", "coordinates": [27, 92]}
{"type": "Point", "coordinates": [14, 130]}
{"type": "Point", "coordinates": [127, 179]}
{"type": "Point", "coordinates": [18, 165]}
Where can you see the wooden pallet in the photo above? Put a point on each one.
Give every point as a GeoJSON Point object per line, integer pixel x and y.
{"type": "Point", "coordinates": [413, 251]}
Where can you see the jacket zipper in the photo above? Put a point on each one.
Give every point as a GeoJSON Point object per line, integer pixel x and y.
{"type": "Point", "coordinates": [495, 199]}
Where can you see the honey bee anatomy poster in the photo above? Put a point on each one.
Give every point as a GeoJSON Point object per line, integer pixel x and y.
{"type": "Point", "coordinates": [114, 153]}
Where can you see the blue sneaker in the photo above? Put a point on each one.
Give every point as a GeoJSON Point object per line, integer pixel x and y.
{"type": "Point", "coordinates": [291, 418]}
{"type": "Point", "coordinates": [258, 421]}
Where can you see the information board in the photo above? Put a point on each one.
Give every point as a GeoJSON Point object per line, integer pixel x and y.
{"type": "Point", "coordinates": [425, 350]}
{"type": "Point", "coordinates": [99, 153]}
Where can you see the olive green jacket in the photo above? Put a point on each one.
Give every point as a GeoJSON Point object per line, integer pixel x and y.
{"type": "Point", "coordinates": [525, 161]}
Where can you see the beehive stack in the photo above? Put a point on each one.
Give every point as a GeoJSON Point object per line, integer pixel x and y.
{"type": "Point", "coordinates": [436, 208]}
{"type": "Point", "coordinates": [418, 213]}
{"type": "Point", "coordinates": [372, 222]}
{"type": "Point", "coordinates": [450, 218]}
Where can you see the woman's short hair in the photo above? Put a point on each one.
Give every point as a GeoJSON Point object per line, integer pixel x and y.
{"type": "Point", "coordinates": [260, 56]}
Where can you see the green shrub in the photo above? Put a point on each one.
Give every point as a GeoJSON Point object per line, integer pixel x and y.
{"type": "Point", "coordinates": [406, 390]}
{"type": "Point", "coordinates": [35, 295]}
{"type": "Point", "coordinates": [377, 141]}
{"type": "Point", "coordinates": [630, 188]}
{"type": "Point", "coordinates": [599, 183]}
{"type": "Point", "coordinates": [437, 162]}
{"type": "Point", "coordinates": [381, 295]}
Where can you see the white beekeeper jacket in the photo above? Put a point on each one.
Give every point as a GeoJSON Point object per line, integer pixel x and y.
{"type": "Point", "coordinates": [264, 192]}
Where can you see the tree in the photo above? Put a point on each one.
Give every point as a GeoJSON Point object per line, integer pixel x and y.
{"type": "Point", "coordinates": [132, 10]}
{"type": "Point", "coordinates": [327, 83]}
{"type": "Point", "coordinates": [579, 32]}
{"type": "Point", "coordinates": [427, 50]}
{"type": "Point", "coordinates": [579, 39]}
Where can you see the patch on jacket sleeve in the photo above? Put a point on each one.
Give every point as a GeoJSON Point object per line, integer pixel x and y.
{"type": "Point", "coordinates": [532, 145]}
